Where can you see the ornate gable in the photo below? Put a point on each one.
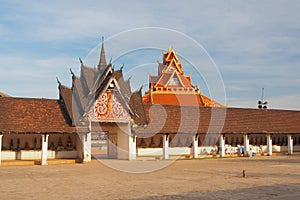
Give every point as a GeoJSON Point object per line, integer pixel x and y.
{"type": "Point", "coordinates": [111, 102]}
{"type": "Point", "coordinates": [170, 55]}
{"type": "Point", "coordinates": [172, 66]}
{"type": "Point", "coordinates": [109, 108]}
{"type": "Point", "coordinates": [174, 80]}
{"type": "Point", "coordinates": [101, 94]}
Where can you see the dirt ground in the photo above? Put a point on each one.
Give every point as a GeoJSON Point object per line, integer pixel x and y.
{"type": "Point", "coordinates": [276, 177]}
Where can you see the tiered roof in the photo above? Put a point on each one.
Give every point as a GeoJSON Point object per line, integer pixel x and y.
{"type": "Point", "coordinates": [172, 87]}
{"type": "Point", "coordinates": [92, 84]}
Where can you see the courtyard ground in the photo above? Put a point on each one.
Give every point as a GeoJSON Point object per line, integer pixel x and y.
{"type": "Point", "coordinates": [276, 177]}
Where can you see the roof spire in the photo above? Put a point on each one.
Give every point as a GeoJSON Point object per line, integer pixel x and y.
{"type": "Point", "coordinates": [102, 63]}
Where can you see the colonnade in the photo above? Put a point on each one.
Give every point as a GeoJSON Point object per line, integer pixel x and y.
{"type": "Point", "coordinates": [222, 138]}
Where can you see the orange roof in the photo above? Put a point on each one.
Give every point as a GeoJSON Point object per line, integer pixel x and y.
{"type": "Point", "coordinates": [209, 102]}
{"type": "Point", "coordinates": [173, 99]}
{"type": "Point", "coordinates": [146, 99]}
{"type": "Point", "coordinates": [177, 99]}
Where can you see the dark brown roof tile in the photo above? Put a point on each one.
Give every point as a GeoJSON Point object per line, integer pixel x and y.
{"type": "Point", "coordinates": [176, 119]}
{"type": "Point", "coordinates": [24, 115]}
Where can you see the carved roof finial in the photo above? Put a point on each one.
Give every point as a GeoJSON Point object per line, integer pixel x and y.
{"type": "Point", "coordinates": [140, 90]}
{"type": "Point", "coordinates": [59, 83]}
{"type": "Point", "coordinates": [72, 72]}
{"type": "Point", "coordinates": [80, 61]}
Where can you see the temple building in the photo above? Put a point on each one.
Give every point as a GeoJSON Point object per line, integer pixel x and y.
{"type": "Point", "coordinates": [172, 87]}
{"type": "Point", "coordinates": [173, 118]}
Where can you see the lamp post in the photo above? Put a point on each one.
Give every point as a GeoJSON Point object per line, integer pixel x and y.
{"type": "Point", "coordinates": [261, 103]}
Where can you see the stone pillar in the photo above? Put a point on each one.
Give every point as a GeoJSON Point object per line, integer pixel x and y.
{"type": "Point", "coordinates": [269, 144]}
{"type": "Point", "coordinates": [195, 146]}
{"type": "Point", "coordinates": [0, 149]}
{"type": "Point", "coordinates": [166, 146]}
{"type": "Point", "coordinates": [44, 156]}
{"type": "Point", "coordinates": [222, 145]}
{"type": "Point", "coordinates": [290, 144]}
{"type": "Point", "coordinates": [246, 145]}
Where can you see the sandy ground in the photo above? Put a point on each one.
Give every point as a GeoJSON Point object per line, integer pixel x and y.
{"type": "Point", "coordinates": [276, 177]}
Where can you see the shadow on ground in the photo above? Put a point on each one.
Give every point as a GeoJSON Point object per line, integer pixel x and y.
{"type": "Point", "coordinates": [284, 191]}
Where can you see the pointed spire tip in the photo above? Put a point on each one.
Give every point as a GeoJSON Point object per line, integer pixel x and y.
{"type": "Point", "coordinates": [102, 62]}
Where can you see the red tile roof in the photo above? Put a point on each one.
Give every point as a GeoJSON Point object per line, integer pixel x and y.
{"type": "Point", "coordinates": [24, 115]}
{"type": "Point", "coordinates": [184, 119]}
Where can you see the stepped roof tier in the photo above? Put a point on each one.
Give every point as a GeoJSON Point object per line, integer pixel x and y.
{"type": "Point", "coordinates": [94, 84]}
{"type": "Point", "coordinates": [172, 87]}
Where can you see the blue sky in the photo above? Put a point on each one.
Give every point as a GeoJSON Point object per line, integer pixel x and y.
{"type": "Point", "coordinates": [254, 44]}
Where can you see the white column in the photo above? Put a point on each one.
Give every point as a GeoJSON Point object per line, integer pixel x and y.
{"type": "Point", "coordinates": [44, 149]}
{"type": "Point", "coordinates": [86, 141]}
{"type": "Point", "coordinates": [246, 145]}
{"type": "Point", "coordinates": [132, 152]}
{"type": "Point", "coordinates": [290, 144]}
{"type": "Point", "coordinates": [87, 145]}
{"type": "Point", "coordinates": [126, 143]}
{"type": "Point", "coordinates": [269, 145]}
{"type": "Point", "coordinates": [0, 149]}
{"type": "Point", "coordinates": [222, 145]}
{"type": "Point", "coordinates": [132, 143]}
{"type": "Point", "coordinates": [112, 145]}
{"type": "Point", "coordinates": [166, 146]}
{"type": "Point", "coordinates": [195, 146]}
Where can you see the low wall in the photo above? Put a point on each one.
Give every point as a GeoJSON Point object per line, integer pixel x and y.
{"type": "Point", "coordinates": [36, 155]}
{"type": "Point", "coordinates": [176, 151]}
{"type": "Point", "coordinates": [173, 151]}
